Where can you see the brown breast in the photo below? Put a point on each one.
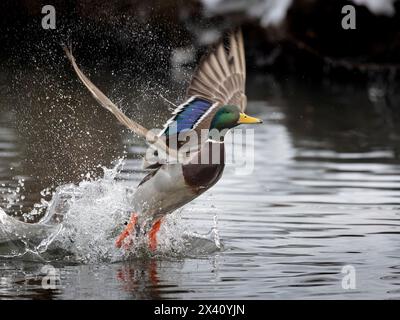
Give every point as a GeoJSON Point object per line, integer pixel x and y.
{"type": "Point", "coordinates": [206, 168]}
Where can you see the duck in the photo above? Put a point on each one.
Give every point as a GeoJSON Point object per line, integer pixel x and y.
{"type": "Point", "coordinates": [179, 172]}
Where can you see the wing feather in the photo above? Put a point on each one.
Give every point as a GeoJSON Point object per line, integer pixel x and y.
{"type": "Point", "coordinates": [221, 75]}
{"type": "Point", "coordinates": [104, 101]}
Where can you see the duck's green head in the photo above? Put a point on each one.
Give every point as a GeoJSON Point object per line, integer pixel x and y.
{"type": "Point", "coordinates": [229, 116]}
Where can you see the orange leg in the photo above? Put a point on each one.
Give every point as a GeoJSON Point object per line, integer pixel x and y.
{"type": "Point", "coordinates": [153, 234]}
{"type": "Point", "coordinates": [127, 231]}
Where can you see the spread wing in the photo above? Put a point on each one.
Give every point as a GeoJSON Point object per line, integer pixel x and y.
{"type": "Point", "coordinates": [221, 75]}
{"type": "Point", "coordinates": [219, 80]}
{"type": "Point", "coordinates": [104, 101]}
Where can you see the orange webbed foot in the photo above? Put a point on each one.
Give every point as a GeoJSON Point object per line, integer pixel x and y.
{"type": "Point", "coordinates": [127, 231]}
{"type": "Point", "coordinates": [153, 234]}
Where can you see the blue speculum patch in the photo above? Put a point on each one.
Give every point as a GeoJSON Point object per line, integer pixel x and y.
{"type": "Point", "coordinates": [188, 116]}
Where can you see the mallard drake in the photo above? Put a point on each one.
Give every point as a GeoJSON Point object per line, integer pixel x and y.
{"type": "Point", "coordinates": [215, 102]}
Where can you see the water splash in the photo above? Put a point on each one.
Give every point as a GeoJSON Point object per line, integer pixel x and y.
{"type": "Point", "coordinates": [81, 223]}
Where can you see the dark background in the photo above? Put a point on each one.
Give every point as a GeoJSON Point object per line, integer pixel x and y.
{"type": "Point", "coordinates": [309, 41]}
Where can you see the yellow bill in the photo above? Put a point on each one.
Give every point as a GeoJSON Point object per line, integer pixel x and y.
{"type": "Point", "coordinates": [244, 118]}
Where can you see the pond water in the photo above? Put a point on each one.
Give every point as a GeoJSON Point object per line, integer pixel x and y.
{"type": "Point", "coordinates": [323, 194]}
